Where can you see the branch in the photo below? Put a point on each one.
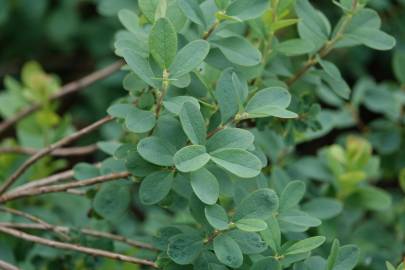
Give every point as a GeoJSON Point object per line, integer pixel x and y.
{"type": "Point", "coordinates": [68, 89]}
{"type": "Point", "coordinates": [29, 162]}
{"type": "Point", "coordinates": [6, 266]}
{"type": "Point", "coordinates": [90, 251]}
{"type": "Point", "coordinates": [34, 219]}
{"type": "Point", "coordinates": [62, 187]}
{"type": "Point", "coordinates": [89, 232]}
{"type": "Point", "coordinates": [53, 179]}
{"type": "Point", "coordinates": [62, 152]}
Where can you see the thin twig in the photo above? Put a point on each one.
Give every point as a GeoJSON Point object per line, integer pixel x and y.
{"type": "Point", "coordinates": [62, 187]}
{"type": "Point", "coordinates": [45, 151]}
{"type": "Point", "coordinates": [89, 232]}
{"type": "Point", "coordinates": [61, 152]}
{"type": "Point", "coordinates": [68, 89]}
{"type": "Point", "coordinates": [7, 266]}
{"type": "Point", "coordinates": [74, 247]}
{"type": "Point", "coordinates": [53, 179]}
{"type": "Point", "coordinates": [34, 219]}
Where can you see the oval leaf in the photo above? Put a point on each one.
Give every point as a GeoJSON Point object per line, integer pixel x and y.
{"type": "Point", "coordinates": [156, 151]}
{"type": "Point", "coordinates": [205, 186]}
{"type": "Point", "coordinates": [237, 161]}
{"type": "Point", "coordinates": [191, 158]}
{"type": "Point", "coordinates": [155, 187]}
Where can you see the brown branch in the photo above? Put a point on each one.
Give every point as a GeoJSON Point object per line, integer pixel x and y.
{"type": "Point", "coordinates": [68, 89]}
{"type": "Point", "coordinates": [62, 187]}
{"type": "Point", "coordinates": [34, 219]}
{"type": "Point", "coordinates": [45, 151]}
{"type": "Point", "coordinates": [61, 152]}
{"type": "Point", "coordinates": [6, 266]}
{"type": "Point", "coordinates": [53, 179]}
{"type": "Point", "coordinates": [89, 232]}
{"type": "Point", "coordinates": [74, 247]}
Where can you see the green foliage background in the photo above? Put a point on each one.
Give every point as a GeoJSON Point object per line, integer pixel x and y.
{"type": "Point", "coordinates": [345, 147]}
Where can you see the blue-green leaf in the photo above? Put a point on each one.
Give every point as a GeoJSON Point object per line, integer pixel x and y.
{"type": "Point", "coordinates": [205, 186]}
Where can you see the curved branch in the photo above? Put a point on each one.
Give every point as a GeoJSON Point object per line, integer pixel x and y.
{"type": "Point", "coordinates": [89, 232]}
{"type": "Point", "coordinates": [45, 151]}
{"type": "Point", "coordinates": [68, 89]}
{"type": "Point", "coordinates": [90, 251]}
{"type": "Point", "coordinates": [34, 219]}
{"type": "Point", "coordinates": [6, 266]}
{"type": "Point", "coordinates": [61, 152]}
{"type": "Point", "coordinates": [62, 187]}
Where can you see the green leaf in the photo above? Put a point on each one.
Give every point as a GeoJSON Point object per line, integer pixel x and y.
{"type": "Point", "coordinates": [272, 235]}
{"type": "Point", "coordinates": [292, 195]}
{"type": "Point", "coordinates": [112, 201]}
{"type": "Point", "coordinates": [155, 187]}
{"type": "Point", "coordinates": [156, 151]}
{"type": "Point", "coordinates": [271, 101]}
{"type": "Point", "coordinates": [226, 96]}
{"type": "Point", "coordinates": [155, 9]}
{"type": "Point", "coordinates": [148, 8]}
{"type": "Point", "coordinates": [192, 11]}
{"type": "Point", "coordinates": [313, 25]}
{"type": "Point", "coordinates": [140, 121]}
{"type": "Point", "coordinates": [119, 110]}
{"type": "Point", "coordinates": [217, 217]}
{"type": "Point", "coordinates": [373, 198]}
{"type": "Point", "coordinates": [228, 251]}
{"type": "Point", "coordinates": [389, 266]}
{"type": "Point", "coordinates": [191, 158]}
{"type": "Point", "coordinates": [193, 123]}
{"type": "Point", "coordinates": [205, 186]}
{"type": "Point", "coordinates": [399, 66]}
{"type": "Point", "coordinates": [189, 58]}
{"type": "Point", "coordinates": [268, 263]}
{"type": "Point", "coordinates": [334, 79]}
{"type": "Point", "coordinates": [305, 245]}
{"type": "Point", "coordinates": [231, 138]}
{"type": "Point", "coordinates": [249, 242]}
{"type": "Point", "coordinates": [140, 66]}
{"type": "Point", "coordinates": [237, 161]}
{"type": "Point", "coordinates": [226, 93]}
{"type": "Point", "coordinates": [247, 9]}
{"type": "Point", "coordinates": [138, 166]}
{"type": "Point", "coordinates": [251, 225]}
{"type": "Point", "coordinates": [129, 19]}
{"type": "Point", "coordinates": [163, 42]}
{"type": "Point", "coordinates": [259, 204]}
{"type": "Point", "coordinates": [175, 104]}
{"type": "Point", "coordinates": [294, 47]}
{"type": "Point", "coordinates": [402, 179]}
{"type": "Point", "coordinates": [374, 38]}
{"type": "Point", "coordinates": [184, 248]}
{"type": "Point", "coordinates": [298, 218]}
{"type": "Point", "coordinates": [323, 208]}
{"type": "Point", "coordinates": [222, 4]}
{"type": "Point", "coordinates": [85, 171]}
{"type": "Point", "coordinates": [161, 9]}
{"type": "Point", "coordinates": [346, 258]}
{"type": "Point", "coordinates": [238, 50]}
